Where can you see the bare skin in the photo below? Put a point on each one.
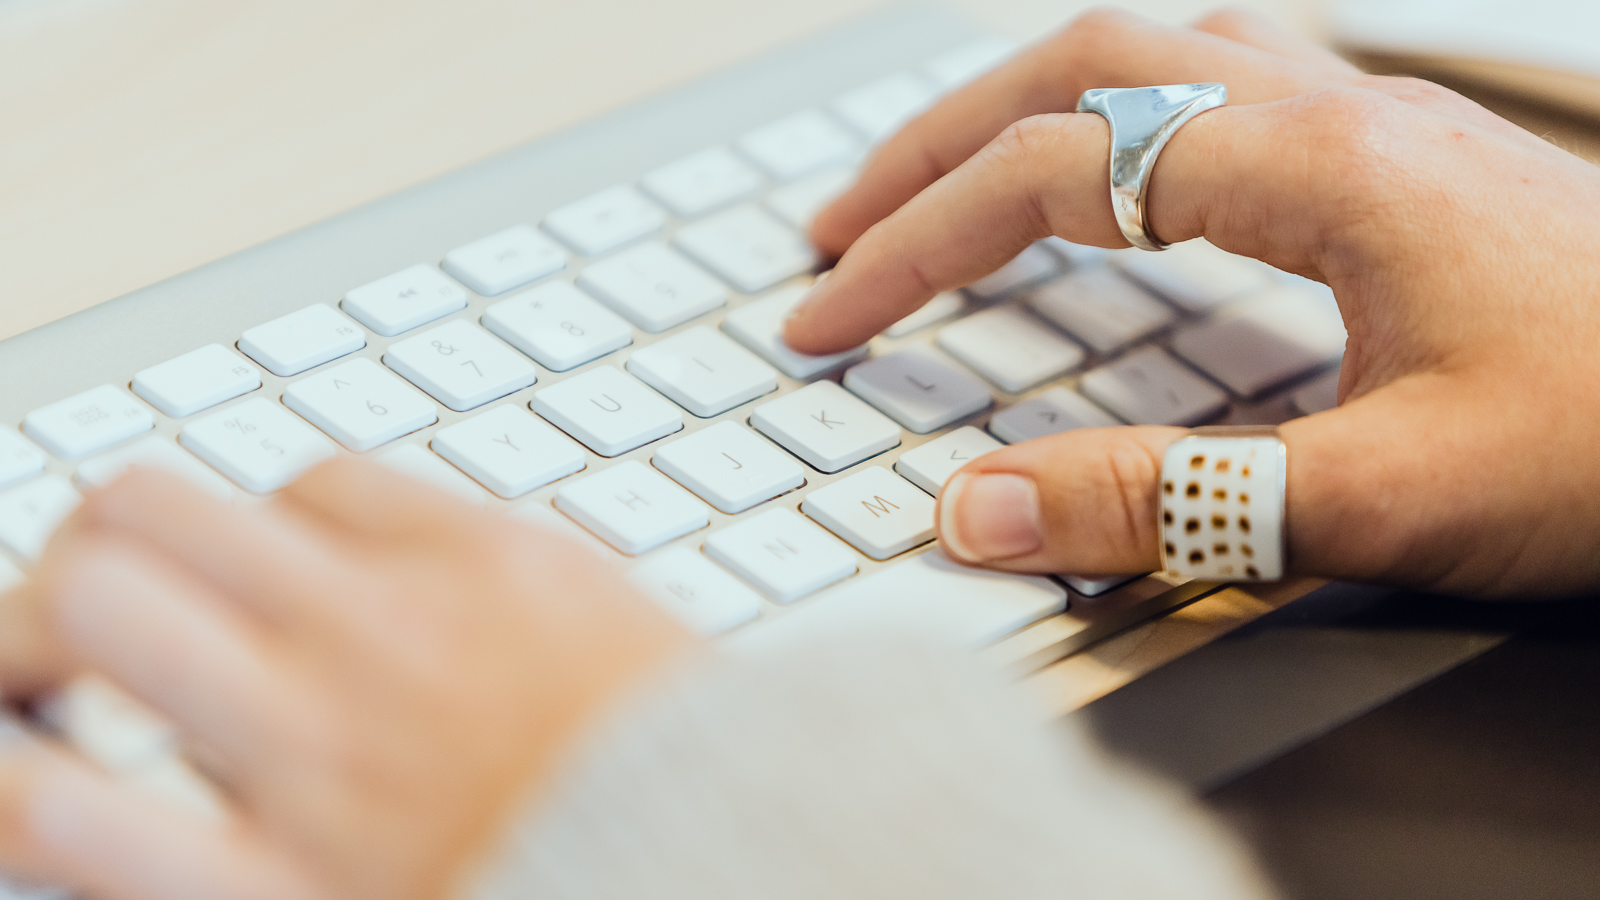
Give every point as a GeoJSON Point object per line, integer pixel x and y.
{"type": "Point", "coordinates": [1460, 248]}
{"type": "Point", "coordinates": [377, 675]}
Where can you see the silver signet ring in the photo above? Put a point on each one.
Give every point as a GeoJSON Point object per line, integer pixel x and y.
{"type": "Point", "coordinates": [1142, 120]}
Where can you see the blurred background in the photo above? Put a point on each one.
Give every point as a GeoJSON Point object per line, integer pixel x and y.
{"type": "Point", "coordinates": [141, 138]}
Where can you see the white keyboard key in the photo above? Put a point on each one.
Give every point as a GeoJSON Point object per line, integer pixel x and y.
{"type": "Point", "coordinates": [1319, 395]}
{"type": "Point", "coordinates": [509, 451]}
{"type": "Point", "coordinates": [933, 595]}
{"type": "Point", "coordinates": [18, 458]}
{"type": "Point", "coordinates": [917, 390]}
{"type": "Point", "coordinates": [103, 723]}
{"type": "Point", "coordinates": [878, 109]}
{"type": "Point", "coordinates": [1029, 267]}
{"type": "Point", "coordinates": [606, 220]}
{"type": "Point", "coordinates": [416, 462]}
{"type": "Point", "coordinates": [405, 300]}
{"type": "Point", "coordinates": [955, 67]}
{"type": "Point", "coordinates": [1195, 275]}
{"type": "Point", "coordinates": [258, 444]}
{"type": "Point", "coordinates": [608, 411]}
{"type": "Point", "coordinates": [633, 507]}
{"type": "Point", "coordinates": [1094, 587]}
{"type": "Point", "coordinates": [1261, 342]}
{"type": "Point", "coordinates": [460, 365]}
{"type": "Point", "coordinates": [1101, 308]}
{"type": "Point", "coordinates": [10, 575]}
{"type": "Point", "coordinates": [702, 182]}
{"type": "Point", "coordinates": [879, 512]}
{"type": "Point", "coordinates": [1077, 256]}
{"type": "Point", "coordinates": [1010, 348]}
{"type": "Point", "coordinates": [783, 554]}
{"type": "Point", "coordinates": [703, 371]}
{"type": "Point", "coordinates": [1148, 387]}
{"type": "Point", "coordinates": [153, 453]}
{"type": "Point", "coordinates": [1052, 412]}
{"type": "Point", "coordinates": [800, 202]}
{"type": "Point", "coordinates": [759, 326]}
{"type": "Point", "coordinates": [653, 287]}
{"type": "Point", "coordinates": [729, 467]}
{"type": "Point", "coordinates": [360, 405]}
{"type": "Point", "coordinates": [748, 247]}
{"type": "Point", "coordinates": [88, 422]}
{"type": "Point", "coordinates": [302, 340]}
{"type": "Point", "coordinates": [799, 144]}
{"type": "Point", "coordinates": [504, 260]}
{"type": "Point", "coordinates": [931, 465]}
{"type": "Point", "coordinates": [199, 379]}
{"type": "Point", "coordinates": [826, 426]}
{"type": "Point", "coordinates": [31, 512]}
{"type": "Point", "coordinates": [941, 308]}
{"type": "Point", "coordinates": [706, 599]}
{"type": "Point", "coordinates": [558, 325]}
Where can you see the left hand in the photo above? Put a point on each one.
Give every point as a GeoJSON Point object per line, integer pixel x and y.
{"type": "Point", "coordinates": [376, 674]}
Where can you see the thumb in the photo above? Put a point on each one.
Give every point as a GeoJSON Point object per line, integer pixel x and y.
{"type": "Point", "coordinates": [1080, 502]}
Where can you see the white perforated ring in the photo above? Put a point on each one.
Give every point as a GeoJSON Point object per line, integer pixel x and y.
{"type": "Point", "coordinates": [1222, 505]}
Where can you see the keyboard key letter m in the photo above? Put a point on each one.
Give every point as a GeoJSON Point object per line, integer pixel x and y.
{"type": "Point", "coordinates": [878, 506]}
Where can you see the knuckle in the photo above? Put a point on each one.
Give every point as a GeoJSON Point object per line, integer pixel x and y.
{"type": "Point", "coordinates": [1134, 473]}
{"type": "Point", "coordinates": [1100, 22]}
{"type": "Point", "coordinates": [1227, 21]}
{"type": "Point", "coordinates": [1019, 145]}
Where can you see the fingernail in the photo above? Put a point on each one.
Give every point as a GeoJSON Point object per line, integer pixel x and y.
{"type": "Point", "coordinates": [983, 518]}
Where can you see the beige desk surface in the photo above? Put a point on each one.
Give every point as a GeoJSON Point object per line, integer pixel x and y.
{"type": "Point", "coordinates": [141, 138]}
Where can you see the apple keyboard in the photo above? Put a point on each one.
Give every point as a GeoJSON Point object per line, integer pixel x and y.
{"type": "Point", "coordinates": [585, 334]}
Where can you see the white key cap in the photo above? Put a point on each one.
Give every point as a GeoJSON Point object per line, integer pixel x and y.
{"type": "Point", "coordinates": [931, 465]}
{"type": "Point", "coordinates": [88, 422]}
{"type": "Point", "coordinates": [199, 379]}
{"type": "Point", "coordinates": [18, 458]}
{"type": "Point", "coordinates": [108, 726]}
{"type": "Point", "coordinates": [703, 371]}
{"type": "Point", "coordinates": [955, 67]}
{"type": "Point", "coordinates": [546, 519]}
{"type": "Point", "coordinates": [941, 308]}
{"type": "Point", "coordinates": [1320, 395]}
{"type": "Point", "coordinates": [706, 599]}
{"type": "Point", "coordinates": [917, 390]}
{"type": "Point", "coordinates": [798, 145]}
{"type": "Point", "coordinates": [1052, 412]}
{"type": "Point", "coordinates": [878, 109]}
{"type": "Point", "coordinates": [702, 182]}
{"type": "Point", "coordinates": [1195, 275]}
{"type": "Point", "coordinates": [460, 365]}
{"type": "Point", "coordinates": [759, 326]}
{"type": "Point", "coordinates": [826, 426]}
{"type": "Point", "coordinates": [1010, 348]}
{"type": "Point", "coordinates": [1029, 267]}
{"type": "Point", "coordinates": [31, 512]}
{"type": "Point", "coordinates": [416, 462]}
{"type": "Point", "coordinates": [633, 507]}
{"type": "Point", "coordinates": [1101, 308]}
{"type": "Point", "coordinates": [608, 411]}
{"type": "Point", "coordinates": [1148, 387]}
{"type": "Point", "coordinates": [1094, 587]}
{"type": "Point", "coordinates": [653, 287]}
{"type": "Point", "coordinates": [504, 260]}
{"type": "Point", "coordinates": [10, 575]}
{"type": "Point", "coordinates": [606, 220]}
{"type": "Point", "coordinates": [409, 298]}
{"type": "Point", "coordinates": [360, 404]}
{"type": "Point", "coordinates": [879, 512]}
{"type": "Point", "coordinates": [931, 595]}
{"type": "Point", "coordinates": [304, 339]}
{"type": "Point", "coordinates": [783, 554]}
{"type": "Point", "coordinates": [1076, 256]}
{"type": "Point", "coordinates": [1261, 342]}
{"type": "Point", "coordinates": [558, 325]}
{"type": "Point", "coordinates": [509, 451]}
{"type": "Point", "coordinates": [258, 444]}
{"type": "Point", "coordinates": [748, 247]}
{"type": "Point", "coordinates": [800, 202]}
{"type": "Point", "coordinates": [729, 467]}
{"type": "Point", "coordinates": [153, 453]}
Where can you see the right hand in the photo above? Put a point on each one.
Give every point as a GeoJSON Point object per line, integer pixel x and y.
{"type": "Point", "coordinates": [1462, 251]}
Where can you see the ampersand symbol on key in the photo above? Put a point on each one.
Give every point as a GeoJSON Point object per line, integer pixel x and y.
{"type": "Point", "coordinates": [443, 348]}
